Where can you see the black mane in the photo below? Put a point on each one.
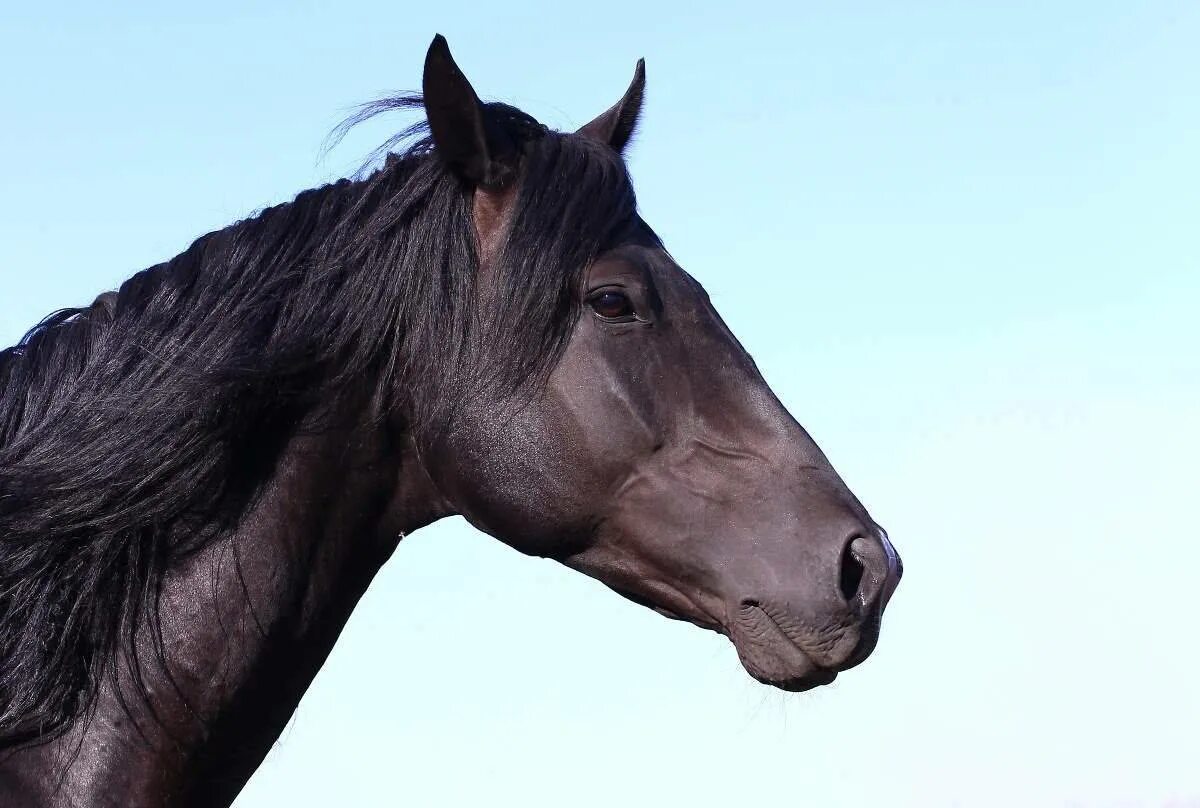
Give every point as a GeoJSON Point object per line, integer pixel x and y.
{"type": "Point", "coordinates": [138, 429]}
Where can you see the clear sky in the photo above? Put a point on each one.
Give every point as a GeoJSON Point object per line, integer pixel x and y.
{"type": "Point", "coordinates": [961, 240]}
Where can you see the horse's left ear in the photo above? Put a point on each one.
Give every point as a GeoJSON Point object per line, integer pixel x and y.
{"type": "Point", "coordinates": [615, 127]}
{"type": "Point", "coordinates": [468, 142]}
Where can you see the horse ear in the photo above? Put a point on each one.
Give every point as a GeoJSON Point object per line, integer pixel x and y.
{"type": "Point", "coordinates": [466, 141]}
{"type": "Point", "coordinates": [615, 127]}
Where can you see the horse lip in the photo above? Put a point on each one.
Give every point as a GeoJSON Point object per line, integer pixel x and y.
{"type": "Point", "coordinates": [754, 606]}
{"type": "Point", "coordinates": [867, 640]}
{"type": "Point", "coordinates": [816, 674]}
{"type": "Point", "coordinates": [818, 677]}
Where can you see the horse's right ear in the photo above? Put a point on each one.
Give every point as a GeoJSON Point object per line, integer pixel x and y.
{"type": "Point", "coordinates": [470, 146]}
{"type": "Point", "coordinates": [614, 127]}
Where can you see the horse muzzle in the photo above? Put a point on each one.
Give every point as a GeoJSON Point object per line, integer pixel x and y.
{"type": "Point", "coordinates": [797, 643]}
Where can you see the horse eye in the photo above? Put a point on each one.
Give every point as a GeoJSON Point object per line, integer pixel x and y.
{"type": "Point", "coordinates": [611, 305]}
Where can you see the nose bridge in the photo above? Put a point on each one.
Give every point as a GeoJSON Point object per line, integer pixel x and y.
{"type": "Point", "coordinates": [747, 412]}
{"type": "Point", "coordinates": [824, 505]}
{"type": "Point", "coordinates": [789, 447]}
{"type": "Point", "coordinates": [804, 519]}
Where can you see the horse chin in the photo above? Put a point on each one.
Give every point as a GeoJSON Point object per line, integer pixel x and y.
{"type": "Point", "coordinates": [799, 684]}
{"type": "Point", "coordinates": [779, 653]}
{"type": "Point", "coordinates": [786, 668]}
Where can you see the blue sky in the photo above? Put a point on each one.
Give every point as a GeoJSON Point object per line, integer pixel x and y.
{"type": "Point", "coordinates": [961, 242]}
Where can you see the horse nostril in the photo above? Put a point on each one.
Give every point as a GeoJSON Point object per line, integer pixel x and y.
{"type": "Point", "coordinates": [851, 574]}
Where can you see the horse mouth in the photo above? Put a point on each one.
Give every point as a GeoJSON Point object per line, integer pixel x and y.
{"type": "Point", "coordinates": [777, 648]}
{"type": "Point", "coordinates": [782, 651]}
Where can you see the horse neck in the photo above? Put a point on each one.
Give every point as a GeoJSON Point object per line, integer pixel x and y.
{"type": "Point", "coordinates": [246, 624]}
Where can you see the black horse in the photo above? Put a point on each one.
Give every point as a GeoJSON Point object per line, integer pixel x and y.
{"type": "Point", "coordinates": [201, 472]}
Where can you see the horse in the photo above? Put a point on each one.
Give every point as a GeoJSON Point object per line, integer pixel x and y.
{"type": "Point", "coordinates": [201, 472]}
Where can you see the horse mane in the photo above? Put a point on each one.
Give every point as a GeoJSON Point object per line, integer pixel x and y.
{"type": "Point", "coordinates": [139, 429]}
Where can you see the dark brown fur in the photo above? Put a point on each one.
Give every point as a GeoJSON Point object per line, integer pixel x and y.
{"type": "Point", "coordinates": [200, 474]}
